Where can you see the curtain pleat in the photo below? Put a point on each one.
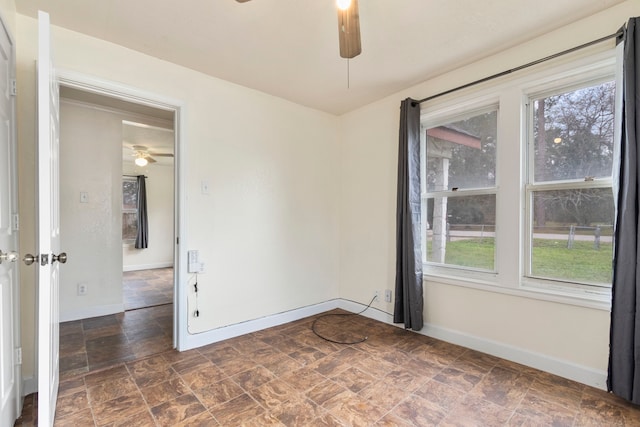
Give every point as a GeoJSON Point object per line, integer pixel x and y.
{"type": "Point", "coordinates": [408, 307]}
{"type": "Point", "coordinates": [142, 238]}
{"type": "Point", "coordinates": [624, 347]}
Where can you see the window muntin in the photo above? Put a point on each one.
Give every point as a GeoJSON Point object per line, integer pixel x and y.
{"type": "Point", "coordinates": [460, 201]}
{"type": "Point", "coordinates": [129, 209]}
{"type": "Point", "coordinates": [569, 190]}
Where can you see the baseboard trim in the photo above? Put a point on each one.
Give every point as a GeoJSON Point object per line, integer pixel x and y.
{"type": "Point", "coordinates": [209, 337]}
{"type": "Point", "coordinates": [88, 312]}
{"type": "Point", "coordinates": [147, 266]}
{"type": "Point", "coordinates": [543, 362]}
{"type": "Point", "coordinates": [29, 385]}
{"type": "Point", "coordinates": [563, 368]}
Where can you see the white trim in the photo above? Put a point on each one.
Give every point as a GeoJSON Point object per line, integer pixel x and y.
{"type": "Point", "coordinates": [537, 290]}
{"type": "Point", "coordinates": [147, 266]}
{"type": "Point", "coordinates": [88, 312]}
{"type": "Point", "coordinates": [131, 94]}
{"type": "Point", "coordinates": [563, 368]}
{"type": "Point", "coordinates": [512, 208]}
{"type": "Point", "coordinates": [237, 329]}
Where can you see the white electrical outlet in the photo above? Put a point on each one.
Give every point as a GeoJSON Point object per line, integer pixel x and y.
{"type": "Point", "coordinates": [377, 296]}
{"type": "Point", "coordinates": [82, 289]}
{"type": "Point", "coordinates": [387, 295]}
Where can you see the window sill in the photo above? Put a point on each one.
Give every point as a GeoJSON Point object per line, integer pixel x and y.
{"type": "Point", "coordinates": [557, 293]}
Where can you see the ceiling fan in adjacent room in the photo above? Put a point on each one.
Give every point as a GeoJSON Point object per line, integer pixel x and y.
{"type": "Point", "coordinates": [143, 156]}
{"type": "Point", "coordinates": [348, 28]}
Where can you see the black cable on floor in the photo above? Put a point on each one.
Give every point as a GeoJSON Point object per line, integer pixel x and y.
{"type": "Point", "coordinates": [313, 325]}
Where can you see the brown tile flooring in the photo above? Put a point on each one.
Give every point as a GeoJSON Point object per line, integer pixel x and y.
{"type": "Point", "coordinates": [287, 376]}
{"type": "Point", "coordinates": [146, 288]}
{"type": "Point", "coordinates": [90, 344]}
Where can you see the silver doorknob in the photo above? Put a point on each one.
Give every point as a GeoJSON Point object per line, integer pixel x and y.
{"type": "Point", "coordinates": [30, 259]}
{"type": "Point", "coordinates": [8, 256]}
{"type": "Point", "coordinates": [62, 258]}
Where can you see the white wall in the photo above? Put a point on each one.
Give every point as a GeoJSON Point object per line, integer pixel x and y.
{"type": "Point", "coordinates": [575, 336]}
{"type": "Point", "coordinates": [90, 233]}
{"type": "Point", "coordinates": [268, 230]}
{"type": "Point", "coordinates": [159, 185]}
{"type": "Point", "coordinates": [91, 162]}
{"type": "Point", "coordinates": [301, 201]}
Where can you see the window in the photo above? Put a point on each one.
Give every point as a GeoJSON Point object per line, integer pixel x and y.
{"type": "Point", "coordinates": [460, 200]}
{"type": "Point", "coordinates": [569, 185]}
{"type": "Point", "coordinates": [129, 209]}
{"type": "Point", "coordinates": [517, 182]}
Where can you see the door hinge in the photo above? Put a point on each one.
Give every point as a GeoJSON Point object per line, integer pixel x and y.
{"type": "Point", "coordinates": [15, 222]}
{"type": "Point", "coordinates": [177, 240]}
{"type": "Point", "coordinates": [14, 87]}
{"type": "Point", "coordinates": [17, 356]}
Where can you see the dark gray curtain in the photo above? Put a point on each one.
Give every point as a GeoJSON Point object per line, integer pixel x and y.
{"type": "Point", "coordinates": [624, 345]}
{"type": "Point", "coordinates": [142, 239]}
{"type": "Point", "coordinates": [409, 301]}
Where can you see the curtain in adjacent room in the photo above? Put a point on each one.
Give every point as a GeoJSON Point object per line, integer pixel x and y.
{"type": "Point", "coordinates": [409, 302]}
{"type": "Point", "coordinates": [624, 347]}
{"type": "Point", "coordinates": [142, 239]}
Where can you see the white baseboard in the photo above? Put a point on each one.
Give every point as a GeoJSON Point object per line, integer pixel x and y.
{"type": "Point", "coordinates": [563, 368]}
{"type": "Point", "coordinates": [88, 312]}
{"type": "Point", "coordinates": [147, 266]}
{"type": "Point", "coordinates": [235, 330]}
{"type": "Point", "coordinates": [29, 385]}
{"type": "Point", "coordinates": [583, 374]}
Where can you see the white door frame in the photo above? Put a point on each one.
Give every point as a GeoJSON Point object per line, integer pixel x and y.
{"type": "Point", "coordinates": [13, 197]}
{"type": "Point", "coordinates": [130, 94]}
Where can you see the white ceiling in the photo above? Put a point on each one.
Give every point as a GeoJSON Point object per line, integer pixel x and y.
{"type": "Point", "coordinates": [289, 48]}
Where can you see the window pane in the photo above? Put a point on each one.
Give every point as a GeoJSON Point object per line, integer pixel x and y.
{"type": "Point", "coordinates": [462, 154]}
{"type": "Point", "coordinates": [129, 194]}
{"type": "Point", "coordinates": [129, 225]}
{"type": "Point", "coordinates": [573, 134]}
{"type": "Point", "coordinates": [461, 231]}
{"type": "Point", "coordinates": [572, 235]}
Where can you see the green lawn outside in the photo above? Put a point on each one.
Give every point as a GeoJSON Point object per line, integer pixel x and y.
{"type": "Point", "coordinates": [551, 258]}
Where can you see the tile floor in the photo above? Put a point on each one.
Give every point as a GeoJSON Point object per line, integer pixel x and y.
{"type": "Point", "coordinates": [147, 288]}
{"type": "Point", "coordinates": [287, 376]}
{"type": "Point", "coordinates": [90, 344]}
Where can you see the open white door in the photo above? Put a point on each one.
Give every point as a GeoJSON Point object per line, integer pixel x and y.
{"type": "Point", "coordinates": [48, 219]}
{"type": "Point", "coordinates": [9, 363]}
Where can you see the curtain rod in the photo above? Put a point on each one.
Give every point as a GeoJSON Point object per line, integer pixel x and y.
{"type": "Point", "coordinates": [135, 176]}
{"type": "Point", "coordinates": [618, 35]}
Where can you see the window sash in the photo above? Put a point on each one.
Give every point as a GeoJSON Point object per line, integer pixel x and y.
{"type": "Point", "coordinates": [512, 189]}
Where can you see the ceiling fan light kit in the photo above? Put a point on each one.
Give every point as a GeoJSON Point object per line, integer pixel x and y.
{"type": "Point", "coordinates": [141, 161]}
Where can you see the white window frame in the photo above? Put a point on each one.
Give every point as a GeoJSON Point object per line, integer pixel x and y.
{"type": "Point", "coordinates": [512, 93]}
{"type": "Point", "coordinates": [469, 109]}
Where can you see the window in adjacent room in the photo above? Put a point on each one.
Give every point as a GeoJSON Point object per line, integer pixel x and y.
{"type": "Point", "coordinates": [129, 209]}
